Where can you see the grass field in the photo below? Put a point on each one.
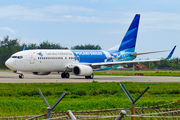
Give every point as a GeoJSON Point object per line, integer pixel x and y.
{"type": "Point", "coordinates": [24, 99]}
{"type": "Point", "coordinates": [157, 73]}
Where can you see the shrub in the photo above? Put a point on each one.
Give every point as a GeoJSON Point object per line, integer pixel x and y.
{"type": "Point", "coordinates": [80, 92]}
{"type": "Point", "coordinates": [74, 96]}
{"type": "Point", "coordinates": [47, 93]}
{"type": "Point", "coordinates": [94, 92]}
{"type": "Point", "coordinates": [94, 81]}
{"type": "Point", "coordinates": [112, 92]}
{"type": "Point", "coordinates": [34, 92]}
{"type": "Point", "coordinates": [58, 93]}
{"type": "Point", "coordinates": [103, 91]}
{"type": "Point", "coordinates": [174, 92]}
{"type": "Point", "coordinates": [30, 93]}
{"type": "Point", "coordinates": [66, 89]}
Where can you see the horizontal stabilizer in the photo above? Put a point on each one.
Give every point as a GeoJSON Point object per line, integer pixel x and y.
{"type": "Point", "coordinates": [148, 52]}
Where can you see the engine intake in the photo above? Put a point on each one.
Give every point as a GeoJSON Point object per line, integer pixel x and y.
{"type": "Point", "coordinates": [82, 70]}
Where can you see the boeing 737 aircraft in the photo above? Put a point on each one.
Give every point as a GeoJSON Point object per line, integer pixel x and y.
{"type": "Point", "coordinates": [80, 62]}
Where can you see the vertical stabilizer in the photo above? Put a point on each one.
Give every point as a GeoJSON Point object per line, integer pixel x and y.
{"type": "Point", "coordinates": [129, 41]}
{"type": "Point", "coordinates": [25, 47]}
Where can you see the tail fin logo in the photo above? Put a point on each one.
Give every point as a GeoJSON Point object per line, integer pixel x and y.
{"type": "Point", "coordinates": [40, 54]}
{"type": "Point", "coordinates": [129, 40]}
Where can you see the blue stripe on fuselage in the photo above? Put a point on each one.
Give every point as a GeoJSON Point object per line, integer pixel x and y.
{"type": "Point", "coordinates": [98, 56]}
{"type": "Point", "coordinates": [89, 56]}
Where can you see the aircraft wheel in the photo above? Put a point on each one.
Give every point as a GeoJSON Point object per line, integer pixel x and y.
{"type": "Point", "coordinates": [63, 75]}
{"type": "Point", "coordinates": [89, 77]}
{"type": "Point", "coordinates": [21, 76]}
{"type": "Point", "coordinates": [92, 76]}
{"type": "Point", "coordinates": [67, 75]}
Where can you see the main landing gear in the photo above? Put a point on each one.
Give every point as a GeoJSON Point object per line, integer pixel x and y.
{"type": "Point", "coordinates": [89, 77]}
{"type": "Point", "coordinates": [21, 76]}
{"type": "Point", "coordinates": [65, 75]}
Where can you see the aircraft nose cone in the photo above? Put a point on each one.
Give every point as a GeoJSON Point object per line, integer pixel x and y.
{"type": "Point", "coordinates": [9, 63]}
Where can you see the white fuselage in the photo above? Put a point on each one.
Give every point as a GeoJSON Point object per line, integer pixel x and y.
{"type": "Point", "coordinates": [41, 60]}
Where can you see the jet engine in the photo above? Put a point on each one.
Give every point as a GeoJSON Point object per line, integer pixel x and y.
{"type": "Point", "coordinates": [41, 73]}
{"type": "Point", "coordinates": [82, 70]}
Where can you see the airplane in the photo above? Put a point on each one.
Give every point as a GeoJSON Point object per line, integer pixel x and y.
{"type": "Point", "coordinates": [80, 62]}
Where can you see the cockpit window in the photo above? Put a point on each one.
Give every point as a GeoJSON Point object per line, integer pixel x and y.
{"type": "Point", "coordinates": [14, 57]}
{"type": "Point", "coordinates": [18, 57]}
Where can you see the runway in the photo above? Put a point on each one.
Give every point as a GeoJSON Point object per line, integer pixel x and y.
{"type": "Point", "coordinates": [9, 77]}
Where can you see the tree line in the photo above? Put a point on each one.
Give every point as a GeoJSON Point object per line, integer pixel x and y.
{"type": "Point", "coordinates": [10, 46]}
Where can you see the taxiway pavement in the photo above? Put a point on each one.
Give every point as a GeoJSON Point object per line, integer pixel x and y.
{"type": "Point", "coordinates": [9, 77]}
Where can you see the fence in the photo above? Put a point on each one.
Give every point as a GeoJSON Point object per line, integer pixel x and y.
{"type": "Point", "coordinates": [142, 114]}
{"type": "Point", "coordinates": [164, 111]}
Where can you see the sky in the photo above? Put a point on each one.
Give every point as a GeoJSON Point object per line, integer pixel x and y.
{"type": "Point", "coordinates": [97, 22]}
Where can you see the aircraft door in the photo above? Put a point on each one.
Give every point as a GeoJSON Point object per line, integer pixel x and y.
{"type": "Point", "coordinates": [32, 60]}
{"type": "Point", "coordinates": [77, 59]}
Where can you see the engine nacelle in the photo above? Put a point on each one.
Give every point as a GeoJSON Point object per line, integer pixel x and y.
{"type": "Point", "coordinates": [41, 73]}
{"type": "Point", "coordinates": [82, 70]}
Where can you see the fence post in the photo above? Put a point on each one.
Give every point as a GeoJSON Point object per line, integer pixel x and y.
{"type": "Point", "coordinates": [133, 111]}
{"type": "Point", "coordinates": [54, 105]}
{"type": "Point", "coordinates": [48, 112]}
{"type": "Point", "coordinates": [123, 112]}
{"type": "Point", "coordinates": [71, 115]}
{"type": "Point", "coordinates": [132, 100]}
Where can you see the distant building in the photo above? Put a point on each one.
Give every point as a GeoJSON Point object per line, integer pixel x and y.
{"type": "Point", "coordinates": [143, 67]}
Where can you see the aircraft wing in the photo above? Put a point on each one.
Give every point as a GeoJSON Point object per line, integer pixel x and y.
{"type": "Point", "coordinates": [109, 64]}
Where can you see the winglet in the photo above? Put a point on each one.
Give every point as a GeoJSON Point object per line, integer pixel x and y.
{"type": "Point", "coordinates": [171, 53]}
{"type": "Point", "coordinates": [25, 47]}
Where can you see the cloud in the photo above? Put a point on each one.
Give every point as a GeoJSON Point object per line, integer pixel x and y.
{"type": "Point", "coordinates": [86, 19]}
{"type": "Point", "coordinates": [60, 9]}
{"type": "Point", "coordinates": [160, 20]}
{"type": "Point", "coordinates": [65, 13]}
{"type": "Point", "coordinates": [8, 29]}
{"type": "Point", "coordinates": [156, 20]}
{"type": "Point", "coordinates": [46, 13]}
{"type": "Point", "coordinates": [67, 16]}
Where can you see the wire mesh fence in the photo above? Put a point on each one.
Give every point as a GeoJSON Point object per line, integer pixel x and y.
{"type": "Point", "coordinates": [169, 111]}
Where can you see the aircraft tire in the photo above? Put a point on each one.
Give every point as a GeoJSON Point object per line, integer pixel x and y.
{"type": "Point", "coordinates": [92, 76]}
{"type": "Point", "coordinates": [67, 75]}
{"type": "Point", "coordinates": [63, 75]}
{"type": "Point", "coordinates": [89, 77]}
{"type": "Point", "coordinates": [21, 76]}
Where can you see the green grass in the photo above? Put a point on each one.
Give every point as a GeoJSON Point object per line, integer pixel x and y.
{"type": "Point", "coordinates": [144, 73]}
{"type": "Point", "coordinates": [5, 70]}
{"type": "Point", "coordinates": [24, 99]}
